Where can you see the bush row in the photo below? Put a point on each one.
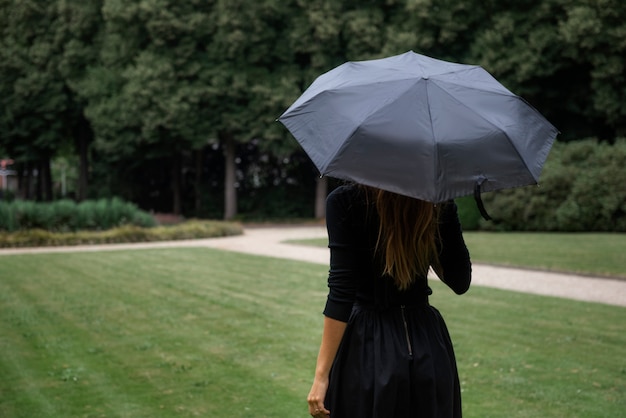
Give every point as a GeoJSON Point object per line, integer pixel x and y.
{"type": "Point", "coordinates": [582, 188]}
{"type": "Point", "coordinates": [69, 216]}
{"type": "Point", "coordinates": [123, 234]}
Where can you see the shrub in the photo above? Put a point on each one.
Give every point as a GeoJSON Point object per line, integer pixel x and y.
{"type": "Point", "coordinates": [65, 215]}
{"type": "Point", "coordinates": [581, 189]}
{"type": "Point", "coordinates": [7, 218]}
{"type": "Point", "coordinates": [123, 234]}
{"type": "Point", "coordinates": [62, 217]}
{"type": "Point", "coordinates": [468, 213]}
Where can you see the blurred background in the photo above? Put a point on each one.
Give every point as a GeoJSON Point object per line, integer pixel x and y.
{"type": "Point", "coordinates": [172, 104]}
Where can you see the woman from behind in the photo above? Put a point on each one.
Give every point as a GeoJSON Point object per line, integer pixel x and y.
{"type": "Point", "coordinates": [385, 352]}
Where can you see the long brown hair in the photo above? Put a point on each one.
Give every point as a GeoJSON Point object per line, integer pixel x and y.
{"type": "Point", "coordinates": [406, 235]}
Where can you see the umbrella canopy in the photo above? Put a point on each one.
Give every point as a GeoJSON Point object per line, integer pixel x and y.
{"type": "Point", "coordinates": [421, 127]}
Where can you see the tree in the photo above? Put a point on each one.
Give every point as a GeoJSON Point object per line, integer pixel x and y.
{"type": "Point", "coordinates": [33, 95]}
{"type": "Point", "coordinates": [594, 37]}
{"type": "Point", "coordinates": [317, 41]}
{"type": "Point", "coordinates": [148, 97]}
{"type": "Point", "coordinates": [81, 30]}
{"type": "Point", "coordinates": [46, 47]}
{"type": "Point", "coordinates": [250, 80]}
{"type": "Point", "coordinates": [565, 57]}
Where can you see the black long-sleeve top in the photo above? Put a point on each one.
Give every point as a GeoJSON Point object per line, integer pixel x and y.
{"type": "Point", "coordinates": [356, 271]}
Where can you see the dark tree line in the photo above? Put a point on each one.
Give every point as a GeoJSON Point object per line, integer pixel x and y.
{"type": "Point", "coordinates": [172, 103]}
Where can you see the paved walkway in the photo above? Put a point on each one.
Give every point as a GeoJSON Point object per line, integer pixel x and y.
{"type": "Point", "coordinates": [270, 242]}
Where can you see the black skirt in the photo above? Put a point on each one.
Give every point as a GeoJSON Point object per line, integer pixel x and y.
{"type": "Point", "coordinates": [395, 363]}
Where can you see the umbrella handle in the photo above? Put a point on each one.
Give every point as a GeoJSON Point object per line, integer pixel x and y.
{"type": "Point", "coordinates": [479, 200]}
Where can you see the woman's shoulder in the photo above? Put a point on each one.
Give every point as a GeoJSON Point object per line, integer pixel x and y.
{"type": "Point", "coordinates": [347, 199]}
{"type": "Point", "coordinates": [346, 195]}
{"type": "Point", "coordinates": [346, 191]}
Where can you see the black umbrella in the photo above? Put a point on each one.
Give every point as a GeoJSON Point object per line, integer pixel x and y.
{"type": "Point", "coordinates": [420, 127]}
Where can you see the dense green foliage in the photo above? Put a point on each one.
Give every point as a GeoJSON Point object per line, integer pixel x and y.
{"type": "Point", "coordinates": [172, 104]}
{"type": "Point", "coordinates": [468, 213]}
{"type": "Point", "coordinates": [581, 189]}
{"type": "Point", "coordinates": [67, 215]}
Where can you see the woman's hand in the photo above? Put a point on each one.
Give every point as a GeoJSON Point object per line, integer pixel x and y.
{"type": "Point", "coordinates": [316, 398]}
{"type": "Point", "coordinates": [331, 338]}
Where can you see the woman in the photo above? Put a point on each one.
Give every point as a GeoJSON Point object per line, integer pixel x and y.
{"type": "Point", "coordinates": [385, 352]}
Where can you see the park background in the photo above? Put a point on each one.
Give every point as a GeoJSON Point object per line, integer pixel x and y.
{"type": "Point", "coordinates": [132, 108]}
{"type": "Point", "coordinates": [172, 105]}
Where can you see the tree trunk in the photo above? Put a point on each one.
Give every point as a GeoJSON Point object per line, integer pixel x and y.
{"type": "Point", "coordinates": [321, 190]}
{"type": "Point", "coordinates": [176, 184]}
{"type": "Point", "coordinates": [25, 181]}
{"type": "Point", "coordinates": [198, 183]}
{"type": "Point", "coordinates": [83, 139]}
{"type": "Point", "coordinates": [45, 177]}
{"type": "Point", "coordinates": [230, 190]}
{"type": "Point", "coordinates": [43, 181]}
{"type": "Point", "coordinates": [36, 179]}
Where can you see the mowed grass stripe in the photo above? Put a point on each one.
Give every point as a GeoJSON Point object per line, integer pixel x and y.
{"type": "Point", "coordinates": [199, 332]}
{"type": "Point", "coordinates": [81, 329]}
{"type": "Point", "coordinates": [183, 295]}
{"type": "Point", "coordinates": [596, 254]}
{"type": "Point", "coordinates": [587, 253]}
{"type": "Point", "coordinates": [526, 356]}
{"type": "Point", "coordinates": [45, 359]}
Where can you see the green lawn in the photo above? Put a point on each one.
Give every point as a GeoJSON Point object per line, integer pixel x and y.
{"type": "Point", "coordinates": [584, 253]}
{"type": "Point", "coordinates": [200, 332]}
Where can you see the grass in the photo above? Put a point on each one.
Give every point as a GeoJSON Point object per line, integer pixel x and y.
{"type": "Point", "coordinates": [595, 254]}
{"type": "Point", "coordinates": [200, 332]}
{"type": "Point", "coordinates": [152, 334]}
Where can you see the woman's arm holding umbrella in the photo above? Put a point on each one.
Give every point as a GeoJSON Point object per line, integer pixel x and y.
{"type": "Point", "coordinates": [454, 267]}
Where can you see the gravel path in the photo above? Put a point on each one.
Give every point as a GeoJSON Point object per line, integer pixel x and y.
{"type": "Point", "coordinates": [269, 241]}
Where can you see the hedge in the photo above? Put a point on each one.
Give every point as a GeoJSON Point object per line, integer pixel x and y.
{"type": "Point", "coordinates": [582, 188]}
{"type": "Point", "coordinates": [193, 229]}
{"type": "Point", "coordinates": [69, 216]}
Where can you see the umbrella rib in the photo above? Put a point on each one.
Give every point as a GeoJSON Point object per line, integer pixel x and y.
{"type": "Point", "coordinates": [490, 123]}
{"type": "Point", "coordinates": [432, 136]}
{"type": "Point", "coordinates": [359, 124]}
